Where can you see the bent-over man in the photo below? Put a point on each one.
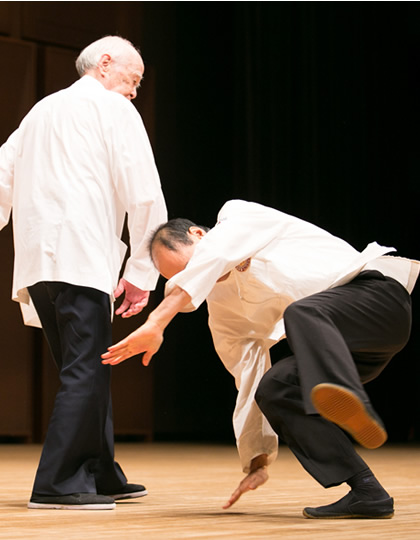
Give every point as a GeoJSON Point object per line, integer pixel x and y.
{"type": "Point", "coordinates": [267, 275]}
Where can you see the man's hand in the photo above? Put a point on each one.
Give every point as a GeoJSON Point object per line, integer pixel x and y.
{"type": "Point", "coordinates": [134, 301]}
{"type": "Point", "coordinates": [147, 338]}
{"type": "Point", "coordinates": [255, 478]}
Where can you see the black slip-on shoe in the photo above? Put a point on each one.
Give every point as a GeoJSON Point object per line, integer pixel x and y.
{"type": "Point", "coordinates": [351, 507]}
{"type": "Point", "coordinates": [342, 407]}
{"type": "Point", "coordinates": [129, 491]}
{"type": "Point", "coordinates": [75, 501]}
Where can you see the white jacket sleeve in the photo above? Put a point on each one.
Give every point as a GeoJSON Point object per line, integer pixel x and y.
{"type": "Point", "coordinates": [247, 360]}
{"type": "Point", "coordinates": [138, 188]}
{"type": "Point", "coordinates": [7, 161]}
{"type": "Point", "coordinates": [243, 229]}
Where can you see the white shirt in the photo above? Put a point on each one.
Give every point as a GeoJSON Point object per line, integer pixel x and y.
{"type": "Point", "coordinates": [283, 259]}
{"type": "Point", "coordinates": [79, 161]}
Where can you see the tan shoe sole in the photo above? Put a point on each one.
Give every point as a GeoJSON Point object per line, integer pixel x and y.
{"type": "Point", "coordinates": [342, 407]}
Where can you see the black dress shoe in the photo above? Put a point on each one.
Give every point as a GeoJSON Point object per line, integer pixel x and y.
{"type": "Point", "coordinates": [129, 491]}
{"type": "Point", "coordinates": [342, 407]}
{"type": "Point", "coordinates": [75, 501]}
{"type": "Point", "coordinates": [352, 507]}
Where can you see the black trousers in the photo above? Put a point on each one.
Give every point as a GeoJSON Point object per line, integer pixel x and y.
{"type": "Point", "coordinates": [345, 336]}
{"type": "Point", "coordinates": [78, 453]}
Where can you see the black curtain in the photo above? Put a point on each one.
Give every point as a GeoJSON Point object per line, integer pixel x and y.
{"type": "Point", "coordinates": [309, 107]}
{"type": "Point", "coordinates": [326, 113]}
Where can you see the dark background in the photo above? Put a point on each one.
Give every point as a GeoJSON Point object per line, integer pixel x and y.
{"type": "Point", "coordinates": [309, 107]}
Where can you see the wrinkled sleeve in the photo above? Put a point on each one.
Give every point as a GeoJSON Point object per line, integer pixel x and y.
{"type": "Point", "coordinates": [247, 361]}
{"type": "Point", "coordinates": [243, 228]}
{"type": "Point", "coordinates": [7, 160]}
{"type": "Point", "coordinates": [138, 187]}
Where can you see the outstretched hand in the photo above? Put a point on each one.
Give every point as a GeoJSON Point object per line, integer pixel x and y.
{"type": "Point", "coordinates": [135, 299]}
{"type": "Point", "coordinates": [146, 339]}
{"type": "Point", "coordinates": [253, 480]}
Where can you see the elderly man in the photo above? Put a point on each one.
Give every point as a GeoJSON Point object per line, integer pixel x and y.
{"type": "Point", "coordinates": [267, 275]}
{"type": "Point", "coordinates": [78, 163]}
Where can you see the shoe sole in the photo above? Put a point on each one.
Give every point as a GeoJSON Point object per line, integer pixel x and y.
{"type": "Point", "coordinates": [57, 506]}
{"type": "Point", "coordinates": [134, 495]}
{"type": "Point", "coordinates": [349, 516]}
{"type": "Point", "coordinates": [343, 408]}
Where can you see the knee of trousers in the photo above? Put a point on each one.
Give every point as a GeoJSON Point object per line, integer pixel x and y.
{"type": "Point", "coordinates": [272, 393]}
{"type": "Point", "coordinates": [301, 308]}
{"type": "Point", "coordinates": [301, 316]}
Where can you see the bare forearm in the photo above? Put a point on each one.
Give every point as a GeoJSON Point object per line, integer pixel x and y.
{"type": "Point", "coordinates": [169, 307]}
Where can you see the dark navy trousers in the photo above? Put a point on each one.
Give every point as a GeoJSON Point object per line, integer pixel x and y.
{"type": "Point", "coordinates": [345, 336]}
{"type": "Point", "coordinates": [78, 452]}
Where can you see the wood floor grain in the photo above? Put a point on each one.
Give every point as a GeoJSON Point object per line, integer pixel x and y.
{"type": "Point", "coordinates": [189, 483]}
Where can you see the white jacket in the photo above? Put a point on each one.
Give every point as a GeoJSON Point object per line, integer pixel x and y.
{"type": "Point", "coordinates": [268, 260]}
{"type": "Point", "coordinates": [78, 163]}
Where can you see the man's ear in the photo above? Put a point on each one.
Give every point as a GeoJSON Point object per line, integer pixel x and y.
{"type": "Point", "coordinates": [104, 64]}
{"type": "Point", "coordinates": [198, 232]}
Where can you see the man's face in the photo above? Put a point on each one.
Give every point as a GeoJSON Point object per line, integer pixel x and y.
{"type": "Point", "coordinates": [169, 262]}
{"type": "Point", "coordinates": [125, 78]}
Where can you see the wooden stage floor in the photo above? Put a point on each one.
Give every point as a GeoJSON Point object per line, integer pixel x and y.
{"type": "Point", "coordinates": [188, 485]}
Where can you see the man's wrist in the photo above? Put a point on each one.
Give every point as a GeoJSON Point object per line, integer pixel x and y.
{"type": "Point", "coordinates": [160, 327]}
{"type": "Point", "coordinates": [259, 462]}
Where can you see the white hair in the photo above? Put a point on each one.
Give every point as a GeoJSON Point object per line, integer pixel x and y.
{"type": "Point", "coordinates": [118, 48]}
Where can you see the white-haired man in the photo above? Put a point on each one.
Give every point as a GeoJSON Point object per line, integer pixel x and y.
{"type": "Point", "coordinates": [78, 163]}
{"type": "Point", "coordinates": [268, 275]}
